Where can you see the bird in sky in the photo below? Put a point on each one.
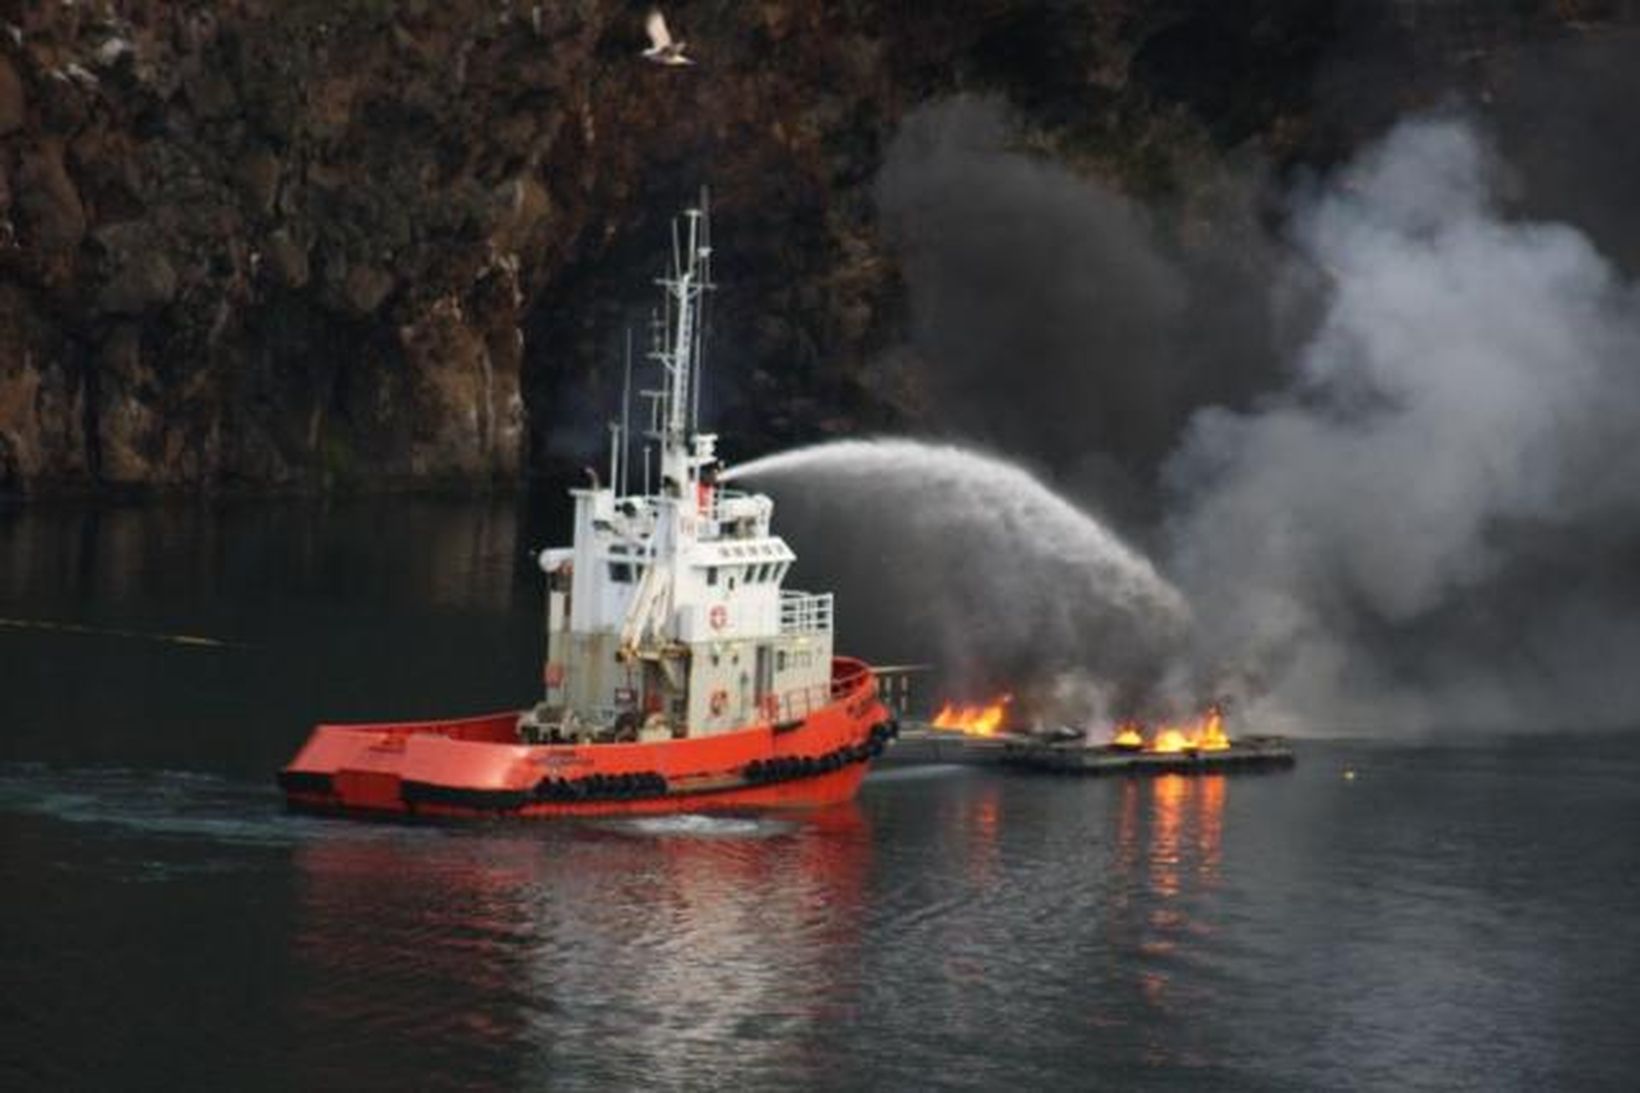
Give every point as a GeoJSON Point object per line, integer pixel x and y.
{"type": "Point", "coordinates": [662, 49]}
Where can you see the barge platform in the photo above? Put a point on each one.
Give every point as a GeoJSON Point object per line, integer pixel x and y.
{"type": "Point", "coordinates": [921, 745]}
{"type": "Point", "coordinates": [1249, 753]}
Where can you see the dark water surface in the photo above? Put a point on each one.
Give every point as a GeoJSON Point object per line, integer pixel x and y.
{"type": "Point", "coordinates": [1460, 916]}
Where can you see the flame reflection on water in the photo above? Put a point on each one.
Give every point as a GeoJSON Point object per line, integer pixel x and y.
{"type": "Point", "coordinates": [1169, 853]}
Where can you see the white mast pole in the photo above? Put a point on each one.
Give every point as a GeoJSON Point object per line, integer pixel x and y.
{"type": "Point", "coordinates": [697, 349]}
{"type": "Point", "coordinates": [676, 339]}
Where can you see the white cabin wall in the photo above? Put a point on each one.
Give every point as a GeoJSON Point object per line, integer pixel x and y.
{"type": "Point", "coordinates": [593, 674]}
{"type": "Point", "coordinates": [554, 672]}
{"type": "Point", "coordinates": [585, 627]}
{"type": "Point", "coordinates": [580, 581]}
{"type": "Point", "coordinates": [802, 682]}
{"type": "Point", "coordinates": [727, 666]}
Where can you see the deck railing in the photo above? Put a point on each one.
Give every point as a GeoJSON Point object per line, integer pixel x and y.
{"type": "Point", "coordinates": [805, 613]}
{"type": "Point", "coordinates": [849, 678]}
{"type": "Point", "coordinates": [715, 509]}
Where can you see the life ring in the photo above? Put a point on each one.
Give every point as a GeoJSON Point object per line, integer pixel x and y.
{"type": "Point", "coordinates": [554, 674]}
{"type": "Point", "coordinates": [719, 702]}
{"type": "Point", "coordinates": [718, 616]}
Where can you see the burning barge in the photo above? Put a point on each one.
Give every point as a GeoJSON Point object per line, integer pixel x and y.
{"type": "Point", "coordinates": [1079, 757]}
{"type": "Point", "coordinates": [975, 735]}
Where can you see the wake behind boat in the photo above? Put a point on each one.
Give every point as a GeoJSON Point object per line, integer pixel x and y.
{"type": "Point", "coordinates": [680, 674]}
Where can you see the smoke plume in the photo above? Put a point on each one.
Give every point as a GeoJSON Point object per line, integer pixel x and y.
{"type": "Point", "coordinates": [1458, 431]}
{"type": "Point", "coordinates": [1123, 318]}
{"type": "Point", "coordinates": [1388, 448]}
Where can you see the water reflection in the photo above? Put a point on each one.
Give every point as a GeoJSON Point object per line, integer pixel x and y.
{"type": "Point", "coordinates": [618, 953]}
{"type": "Point", "coordinates": [369, 609]}
{"type": "Point", "coordinates": [445, 553]}
{"type": "Point", "coordinates": [1167, 860]}
{"type": "Point", "coordinates": [982, 832]}
{"type": "Point", "coordinates": [404, 940]}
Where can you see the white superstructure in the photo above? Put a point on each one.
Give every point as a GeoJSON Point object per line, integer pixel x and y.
{"type": "Point", "coordinates": [667, 617]}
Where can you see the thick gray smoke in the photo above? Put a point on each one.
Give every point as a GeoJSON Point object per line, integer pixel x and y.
{"type": "Point", "coordinates": [1122, 318]}
{"type": "Point", "coordinates": [1459, 434]}
{"type": "Point", "coordinates": [1413, 506]}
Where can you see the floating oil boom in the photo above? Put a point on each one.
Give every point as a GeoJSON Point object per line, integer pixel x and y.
{"type": "Point", "coordinates": [680, 673]}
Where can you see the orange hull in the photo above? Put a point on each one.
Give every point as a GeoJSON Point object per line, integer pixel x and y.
{"type": "Point", "coordinates": [477, 767]}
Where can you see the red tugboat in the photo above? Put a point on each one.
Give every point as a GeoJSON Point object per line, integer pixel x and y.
{"type": "Point", "coordinates": [680, 675]}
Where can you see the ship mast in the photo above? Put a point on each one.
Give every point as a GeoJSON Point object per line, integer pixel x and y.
{"type": "Point", "coordinates": [675, 349]}
{"type": "Point", "coordinates": [683, 453]}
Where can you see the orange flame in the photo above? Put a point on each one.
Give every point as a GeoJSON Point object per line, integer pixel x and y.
{"type": "Point", "coordinates": [1169, 742]}
{"type": "Point", "coordinates": [1212, 737]}
{"type": "Point", "coordinates": [1206, 734]}
{"type": "Point", "coordinates": [982, 720]}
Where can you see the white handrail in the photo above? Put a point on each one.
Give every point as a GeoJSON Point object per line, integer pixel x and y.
{"type": "Point", "coordinates": [806, 612]}
{"type": "Point", "coordinates": [794, 705]}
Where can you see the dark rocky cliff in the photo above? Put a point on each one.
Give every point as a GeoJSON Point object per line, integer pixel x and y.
{"type": "Point", "coordinates": [301, 244]}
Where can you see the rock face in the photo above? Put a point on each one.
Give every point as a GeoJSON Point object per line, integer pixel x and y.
{"type": "Point", "coordinates": [276, 245]}
{"type": "Point", "coordinates": [295, 244]}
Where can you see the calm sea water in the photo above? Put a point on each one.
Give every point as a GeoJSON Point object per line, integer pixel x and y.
{"type": "Point", "coordinates": [1461, 915]}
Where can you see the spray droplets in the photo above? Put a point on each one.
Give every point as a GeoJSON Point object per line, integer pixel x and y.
{"type": "Point", "coordinates": [982, 561]}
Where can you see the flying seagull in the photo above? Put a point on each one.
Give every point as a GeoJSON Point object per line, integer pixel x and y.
{"type": "Point", "coordinates": [662, 49]}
